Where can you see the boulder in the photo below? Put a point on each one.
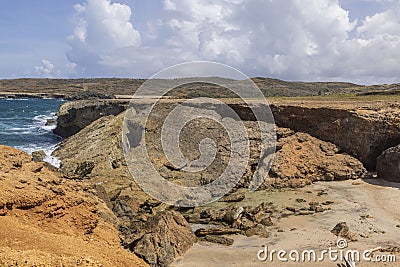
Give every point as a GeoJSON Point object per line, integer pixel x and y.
{"type": "Point", "coordinates": [165, 236]}
{"type": "Point", "coordinates": [388, 164]}
{"type": "Point", "coordinates": [38, 156]}
{"type": "Point", "coordinates": [301, 159]}
{"type": "Point", "coordinates": [342, 230]}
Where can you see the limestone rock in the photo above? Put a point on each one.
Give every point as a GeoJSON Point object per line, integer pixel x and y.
{"type": "Point", "coordinates": [53, 218]}
{"type": "Point", "coordinates": [303, 159]}
{"type": "Point", "coordinates": [363, 130]}
{"type": "Point", "coordinates": [166, 236]}
{"type": "Point", "coordinates": [234, 197]}
{"type": "Point", "coordinates": [74, 116]}
{"type": "Point", "coordinates": [343, 230]}
{"type": "Point", "coordinates": [38, 156]}
{"type": "Point", "coordinates": [388, 164]}
{"type": "Point", "coordinates": [84, 169]}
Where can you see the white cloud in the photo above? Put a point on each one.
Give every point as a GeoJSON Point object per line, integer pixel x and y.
{"type": "Point", "coordinates": [385, 23]}
{"type": "Point", "coordinates": [46, 69]}
{"type": "Point", "coordinates": [101, 28]}
{"type": "Point", "coordinates": [292, 39]}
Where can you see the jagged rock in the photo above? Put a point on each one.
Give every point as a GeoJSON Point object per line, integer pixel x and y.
{"type": "Point", "coordinates": [84, 169]}
{"type": "Point", "coordinates": [74, 116]}
{"type": "Point", "coordinates": [343, 230]}
{"type": "Point", "coordinates": [259, 230]}
{"type": "Point", "coordinates": [51, 122]}
{"type": "Point", "coordinates": [359, 129]}
{"type": "Point", "coordinates": [303, 159]}
{"type": "Point", "coordinates": [388, 164]}
{"type": "Point", "coordinates": [38, 156]}
{"type": "Point", "coordinates": [49, 216]}
{"type": "Point", "coordinates": [222, 240]}
{"type": "Point", "coordinates": [266, 221]}
{"type": "Point", "coordinates": [232, 214]}
{"type": "Point", "coordinates": [165, 236]}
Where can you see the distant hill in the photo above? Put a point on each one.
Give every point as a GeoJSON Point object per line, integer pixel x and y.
{"type": "Point", "coordinates": [122, 86]}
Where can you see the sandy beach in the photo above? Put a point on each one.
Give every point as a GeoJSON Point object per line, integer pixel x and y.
{"type": "Point", "coordinates": [370, 208]}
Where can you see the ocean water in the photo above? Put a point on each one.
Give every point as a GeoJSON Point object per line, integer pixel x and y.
{"type": "Point", "coordinates": [23, 125]}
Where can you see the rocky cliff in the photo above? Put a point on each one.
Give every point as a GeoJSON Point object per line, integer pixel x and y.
{"type": "Point", "coordinates": [74, 116]}
{"type": "Point", "coordinates": [356, 131]}
{"type": "Point", "coordinates": [361, 129]}
{"type": "Point", "coordinates": [95, 155]}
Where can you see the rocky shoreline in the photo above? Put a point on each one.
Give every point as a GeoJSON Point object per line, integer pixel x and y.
{"type": "Point", "coordinates": [95, 155]}
{"type": "Point", "coordinates": [319, 144]}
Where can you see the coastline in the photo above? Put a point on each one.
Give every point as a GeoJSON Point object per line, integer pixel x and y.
{"type": "Point", "coordinates": [31, 130]}
{"type": "Point", "coordinates": [304, 209]}
{"type": "Point", "coordinates": [13, 95]}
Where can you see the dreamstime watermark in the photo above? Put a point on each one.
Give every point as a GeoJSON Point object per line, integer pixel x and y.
{"type": "Point", "coordinates": [336, 254]}
{"type": "Point", "coordinates": [141, 116]}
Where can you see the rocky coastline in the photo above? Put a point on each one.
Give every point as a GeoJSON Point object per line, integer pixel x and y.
{"type": "Point", "coordinates": [319, 143]}
{"type": "Point", "coordinates": [311, 147]}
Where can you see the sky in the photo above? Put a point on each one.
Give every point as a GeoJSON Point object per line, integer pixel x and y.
{"type": "Point", "coordinates": [297, 40]}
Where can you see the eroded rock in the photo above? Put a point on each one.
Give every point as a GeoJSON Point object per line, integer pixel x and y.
{"type": "Point", "coordinates": [388, 164]}
{"type": "Point", "coordinates": [38, 156]}
{"type": "Point", "coordinates": [343, 230]}
{"type": "Point", "coordinates": [51, 217]}
{"type": "Point", "coordinates": [165, 236]}
{"type": "Point", "coordinates": [303, 159]}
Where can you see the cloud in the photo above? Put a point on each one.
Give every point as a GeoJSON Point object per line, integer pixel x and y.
{"type": "Point", "coordinates": [293, 39]}
{"type": "Point", "coordinates": [384, 23]}
{"type": "Point", "coordinates": [46, 69]}
{"type": "Point", "coordinates": [101, 28]}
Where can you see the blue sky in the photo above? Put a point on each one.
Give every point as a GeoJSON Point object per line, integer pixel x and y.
{"type": "Point", "coordinates": [310, 40]}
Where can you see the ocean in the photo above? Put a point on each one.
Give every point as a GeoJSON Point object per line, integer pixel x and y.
{"type": "Point", "coordinates": [23, 125]}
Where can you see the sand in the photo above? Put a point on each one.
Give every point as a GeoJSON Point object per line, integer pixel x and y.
{"type": "Point", "coordinates": [369, 207]}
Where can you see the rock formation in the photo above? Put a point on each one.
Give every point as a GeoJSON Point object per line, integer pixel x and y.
{"type": "Point", "coordinates": [301, 159]}
{"type": "Point", "coordinates": [165, 236]}
{"type": "Point", "coordinates": [94, 154]}
{"type": "Point", "coordinates": [46, 220]}
{"type": "Point", "coordinates": [388, 166]}
{"type": "Point", "coordinates": [38, 156]}
{"type": "Point", "coordinates": [363, 130]}
{"type": "Point", "coordinates": [74, 116]}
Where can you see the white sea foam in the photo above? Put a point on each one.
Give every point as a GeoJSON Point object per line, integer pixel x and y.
{"type": "Point", "coordinates": [24, 127]}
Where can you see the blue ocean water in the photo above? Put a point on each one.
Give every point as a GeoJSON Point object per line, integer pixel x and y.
{"type": "Point", "coordinates": [23, 125]}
